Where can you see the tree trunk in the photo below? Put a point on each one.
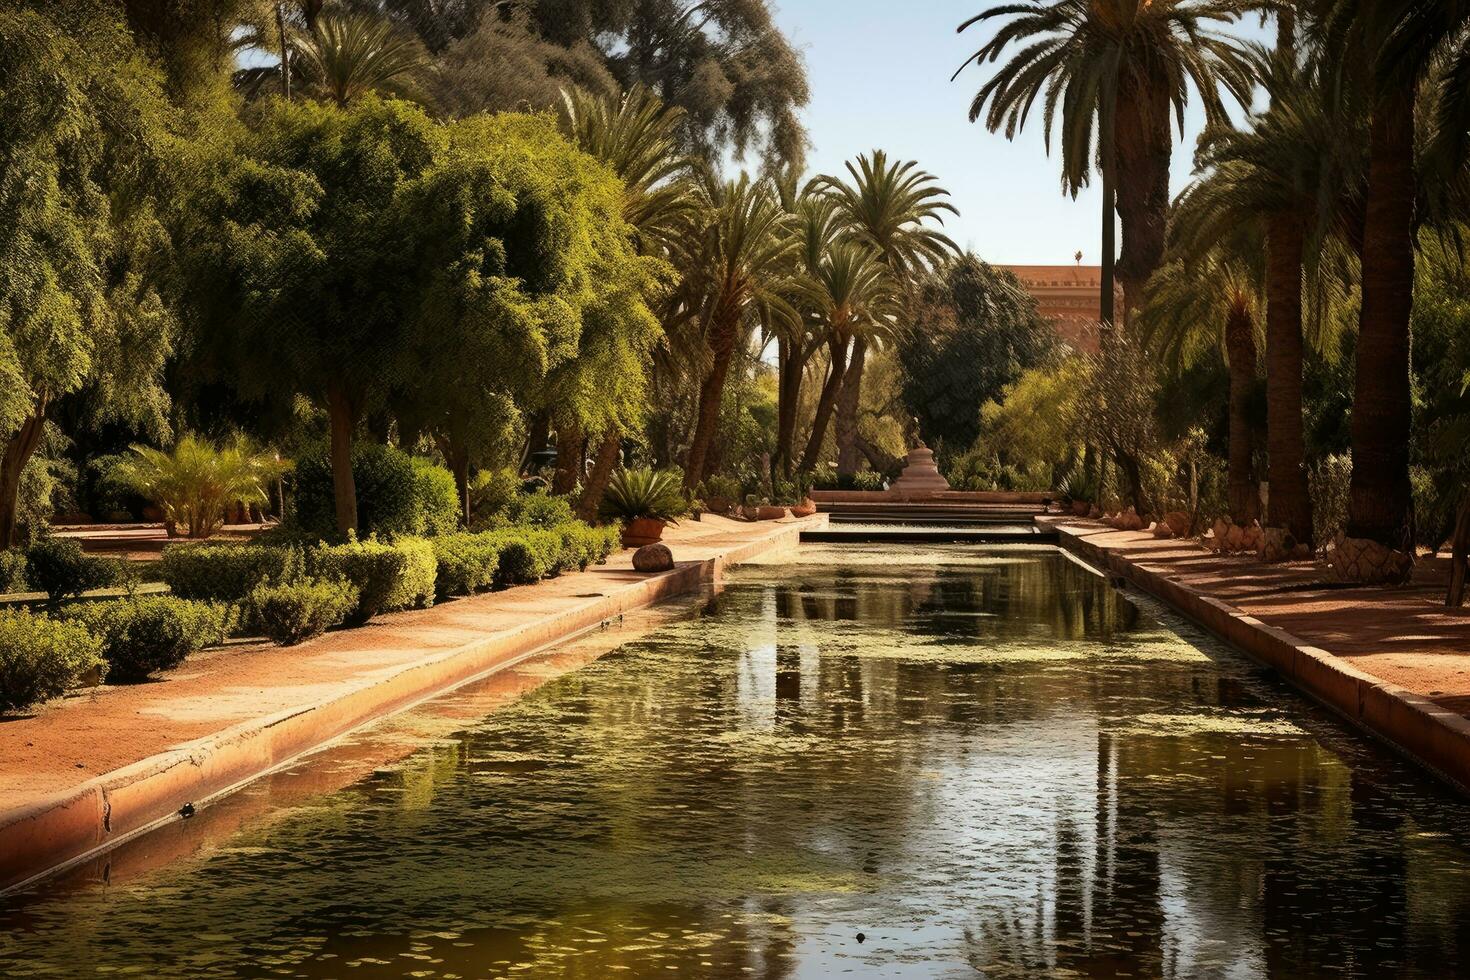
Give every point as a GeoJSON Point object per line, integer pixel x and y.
{"type": "Point", "coordinates": [1459, 556]}
{"type": "Point", "coordinates": [457, 458]}
{"type": "Point", "coordinates": [722, 348]}
{"type": "Point", "coordinates": [826, 402]}
{"type": "Point", "coordinates": [1291, 500]}
{"type": "Point", "coordinates": [1109, 256]}
{"type": "Point", "coordinates": [17, 452]}
{"type": "Point", "coordinates": [342, 418]}
{"type": "Point", "coordinates": [1240, 348]}
{"type": "Point", "coordinates": [602, 470]}
{"type": "Point", "coordinates": [570, 452]}
{"type": "Point", "coordinates": [790, 367]}
{"type": "Point", "coordinates": [1142, 145]}
{"type": "Point", "coordinates": [536, 437]}
{"type": "Point", "coordinates": [879, 460]}
{"type": "Point", "coordinates": [1380, 506]}
{"type": "Point", "coordinates": [848, 406]}
{"type": "Point", "coordinates": [1133, 477]}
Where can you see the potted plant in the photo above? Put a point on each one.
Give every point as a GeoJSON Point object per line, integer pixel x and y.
{"type": "Point", "coordinates": [720, 493]}
{"type": "Point", "coordinates": [644, 501]}
{"type": "Point", "coordinates": [1079, 490]}
{"type": "Point", "coordinates": [797, 496]}
{"type": "Point", "coordinates": [752, 509]}
{"type": "Point", "coordinates": [768, 511]}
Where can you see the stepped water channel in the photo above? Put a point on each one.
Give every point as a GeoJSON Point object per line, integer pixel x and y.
{"type": "Point", "coordinates": [916, 760]}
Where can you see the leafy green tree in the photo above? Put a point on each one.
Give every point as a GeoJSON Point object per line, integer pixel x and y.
{"type": "Point", "coordinates": [1110, 74]}
{"type": "Point", "coordinates": [889, 206]}
{"type": "Point", "coordinates": [344, 55]}
{"type": "Point", "coordinates": [86, 139]}
{"type": "Point", "coordinates": [505, 64]}
{"type": "Point", "coordinates": [973, 331]}
{"type": "Point", "coordinates": [302, 278]}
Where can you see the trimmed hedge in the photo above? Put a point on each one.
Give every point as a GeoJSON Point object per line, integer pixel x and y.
{"type": "Point", "coordinates": [41, 657]}
{"type": "Point", "coordinates": [373, 568]}
{"type": "Point", "coordinates": [539, 509]}
{"type": "Point", "coordinates": [397, 494]}
{"type": "Point", "coordinates": [527, 555]}
{"type": "Point", "coordinates": [59, 568]}
{"type": "Point", "coordinates": [224, 572]}
{"type": "Point", "coordinates": [437, 496]}
{"type": "Point", "coordinates": [291, 612]}
{"type": "Point", "coordinates": [145, 635]}
{"type": "Point", "coordinates": [465, 563]}
{"type": "Point", "coordinates": [13, 571]}
{"type": "Point", "coordinates": [417, 586]}
{"type": "Point", "coordinates": [517, 556]}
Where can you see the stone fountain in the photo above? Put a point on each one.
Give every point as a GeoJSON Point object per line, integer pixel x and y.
{"type": "Point", "coordinates": [920, 477]}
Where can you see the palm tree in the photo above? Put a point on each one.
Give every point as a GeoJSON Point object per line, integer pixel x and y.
{"type": "Point", "coordinates": [1396, 44]}
{"type": "Point", "coordinates": [195, 483]}
{"type": "Point", "coordinates": [859, 302]}
{"type": "Point", "coordinates": [739, 263]}
{"type": "Point", "coordinates": [343, 55]}
{"type": "Point", "coordinates": [1122, 66]}
{"type": "Point", "coordinates": [887, 205]}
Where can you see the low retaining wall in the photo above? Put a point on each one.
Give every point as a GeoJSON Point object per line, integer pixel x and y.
{"type": "Point", "coordinates": [960, 497]}
{"type": "Point", "coordinates": [1435, 737]}
{"type": "Point", "coordinates": [55, 832]}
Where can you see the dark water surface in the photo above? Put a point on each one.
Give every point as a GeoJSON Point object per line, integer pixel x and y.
{"type": "Point", "coordinates": [987, 763]}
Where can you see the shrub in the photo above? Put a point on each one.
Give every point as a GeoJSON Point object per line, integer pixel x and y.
{"type": "Point", "coordinates": [291, 612]}
{"type": "Point", "coordinates": [57, 567]}
{"type": "Point", "coordinates": [491, 494]}
{"type": "Point", "coordinates": [832, 480]}
{"type": "Point", "coordinates": [583, 545]}
{"type": "Point", "coordinates": [41, 657]}
{"type": "Point", "coordinates": [195, 482]}
{"type": "Point", "coordinates": [374, 569]}
{"type": "Point", "coordinates": [527, 555]}
{"type": "Point", "coordinates": [437, 498]}
{"type": "Point", "coordinates": [1329, 483]}
{"type": "Point", "coordinates": [226, 573]}
{"type": "Point", "coordinates": [539, 510]}
{"type": "Point", "coordinates": [388, 501]}
{"type": "Point", "coordinates": [145, 635]}
{"type": "Point", "coordinates": [13, 571]}
{"type": "Point", "coordinates": [465, 563]}
{"type": "Point", "coordinates": [643, 493]}
{"type": "Point", "coordinates": [416, 586]}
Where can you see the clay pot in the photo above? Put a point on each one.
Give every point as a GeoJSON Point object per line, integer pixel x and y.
{"type": "Point", "coordinates": [806, 508]}
{"type": "Point", "coordinates": [641, 531]}
{"type": "Point", "coordinates": [765, 513]}
{"type": "Point", "coordinates": [720, 505]}
{"type": "Point", "coordinates": [1080, 508]}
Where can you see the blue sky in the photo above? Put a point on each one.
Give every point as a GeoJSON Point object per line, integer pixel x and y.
{"type": "Point", "coordinates": [879, 73]}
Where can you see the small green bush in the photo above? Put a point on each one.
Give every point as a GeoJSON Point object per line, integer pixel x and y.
{"type": "Point", "coordinates": [655, 494]}
{"type": "Point", "coordinates": [373, 568]}
{"type": "Point", "coordinates": [41, 657]}
{"type": "Point", "coordinates": [388, 500]}
{"type": "Point", "coordinates": [583, 545]}
{"type": "Point", "coordinates": [539, 510]}
{"type": "Point", "coordinates": [291, 612]}
{"type": "Point", "coordinates": [465, 563]}
{"type": "Point", "coordinates": [416, 586]}
{"type": "Point", "coordinates": [145, 635]}
{"type": "Point", "coordinates": [57, 567]}
{"type": "Point", "coordinates": [222, 572]}
{"type": "Point", "coordinates": [13, 571]}
{"type": "Point", "coordinates": [491, 494]}
{"type": "Point", "coordinates": [438, 498]}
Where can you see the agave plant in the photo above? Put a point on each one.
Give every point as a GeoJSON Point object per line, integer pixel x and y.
{"type": "Point", "coordinates": [654, 494]}
{"type": "Point", "coordinates": [195, 482]}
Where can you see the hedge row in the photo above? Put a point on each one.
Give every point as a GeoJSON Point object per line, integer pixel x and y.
{"type": "Point", "coordinates": [473, 562]}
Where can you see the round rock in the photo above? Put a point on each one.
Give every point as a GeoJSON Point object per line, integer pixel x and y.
{"type": "Point", "coordinates": [653, 558]}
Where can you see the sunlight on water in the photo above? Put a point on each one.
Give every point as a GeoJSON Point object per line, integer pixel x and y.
{"type": "Point", "coordinates": [984, 761]}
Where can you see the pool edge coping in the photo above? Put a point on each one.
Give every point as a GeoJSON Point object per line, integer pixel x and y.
{"type": "Point", "coordinates": [48, 835]}
{"type": "Point", "coordinates": [1434, 737]}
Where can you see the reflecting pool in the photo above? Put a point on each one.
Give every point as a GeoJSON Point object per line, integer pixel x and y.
{"type": "Point", "coordinates": [871, 761]}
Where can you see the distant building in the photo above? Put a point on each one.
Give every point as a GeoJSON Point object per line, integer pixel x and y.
{"type": "Point", "coordinates": [1070, 296]}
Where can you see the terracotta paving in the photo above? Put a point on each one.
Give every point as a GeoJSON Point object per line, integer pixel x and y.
{"type": "Point", "coordinates": [98, 730]}
{"type": "Point", "coordinates": [1404, 635]}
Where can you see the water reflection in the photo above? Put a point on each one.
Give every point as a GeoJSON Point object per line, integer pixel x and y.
{"type": "Point", "coordinates": [987, 763]}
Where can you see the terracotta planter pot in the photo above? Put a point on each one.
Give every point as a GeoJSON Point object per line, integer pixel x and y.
{"type": "Point", "coordinates": [720, 505]}
{"type": "Point", "coordinates": [750, 512]}
{"type": "Point", "coordinates": [804, 509]}
{"type": "Point", "coordinates": [1080, 508]}
{"type": "Point", "coordinates": [770, 513]}
{"type": "Point", "coordinates": [641, 531]}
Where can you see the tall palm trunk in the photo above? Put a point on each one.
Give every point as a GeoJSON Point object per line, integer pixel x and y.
{"type": "Point", "coordinates": [1240, 352]}
{"type": "Point", "coordinates": [849, 457]}
{"type": "Point", "coordinates": [836, 371]}
{"type": "Point", "coordinates": [1380, 506]}
{"type": "Point", "coordinates": [603, 465]}
{"type": "Point", "coordinates": [1291, 502]}
{"type": "Point", "coordinates": [788, 397]}
{"type": "Point", "coordinates": [722, 348]}
{"type": "Point", "coordinates": [1106, 151]}
{"type": "Point", "coordinates": [17, 451]}
{"type": "Point", "coordinates": [342, 419]}
{"type": "Point", "coordinates": [1142, 146]}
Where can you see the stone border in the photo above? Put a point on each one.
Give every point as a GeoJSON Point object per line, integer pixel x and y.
{"type": "Point", "coordinates": [62, 830]}
{"type": "Point", "coordinates": [1433, 736]}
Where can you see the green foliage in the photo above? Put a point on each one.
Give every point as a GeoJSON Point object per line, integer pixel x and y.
{"type": "Point", "coordinates": [290, 612]}
{"type": "Point", "coordinates": [195, 482]}
{"type": "Point", "coordinates": [145, 635]}
{"type": "Point", "coordinates": [527, 555]}
{"type": "Point", "coordinates": [59, 568]}
{"type": "Point", "coordinates": [829, 479]}
{"type": "Point", "coordinates": [975, 330]}
{"type": "Point", "coordinates": [539, 509]}
{"type": "Point", "coordinates": [41, 657]}
{"type": "Point", "coordinates": [491, 494]}
{"type": "Point", "coordinates": [224, 572]}
{"type": "Point", "coordinates": [391, 500]}
{"type": "Point", "coordinates": [347, 54]}
{"type": "Point", "coordinates": [12, 571]}
{"type": "Point", "coordinates": [465, 563]}
{"type": "Point", "coordinates": [644, 493]}
{"type": "Point", "coordinates": [416, 586]}
{"type": "Point", "coordinates": [374, 570]}
{"type": "Point", "coordinates": [438, 498]}
{"type": "Point", "coordinates": [979, 470]}
{"type": "Point", "coordinates": [1038, 417]}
